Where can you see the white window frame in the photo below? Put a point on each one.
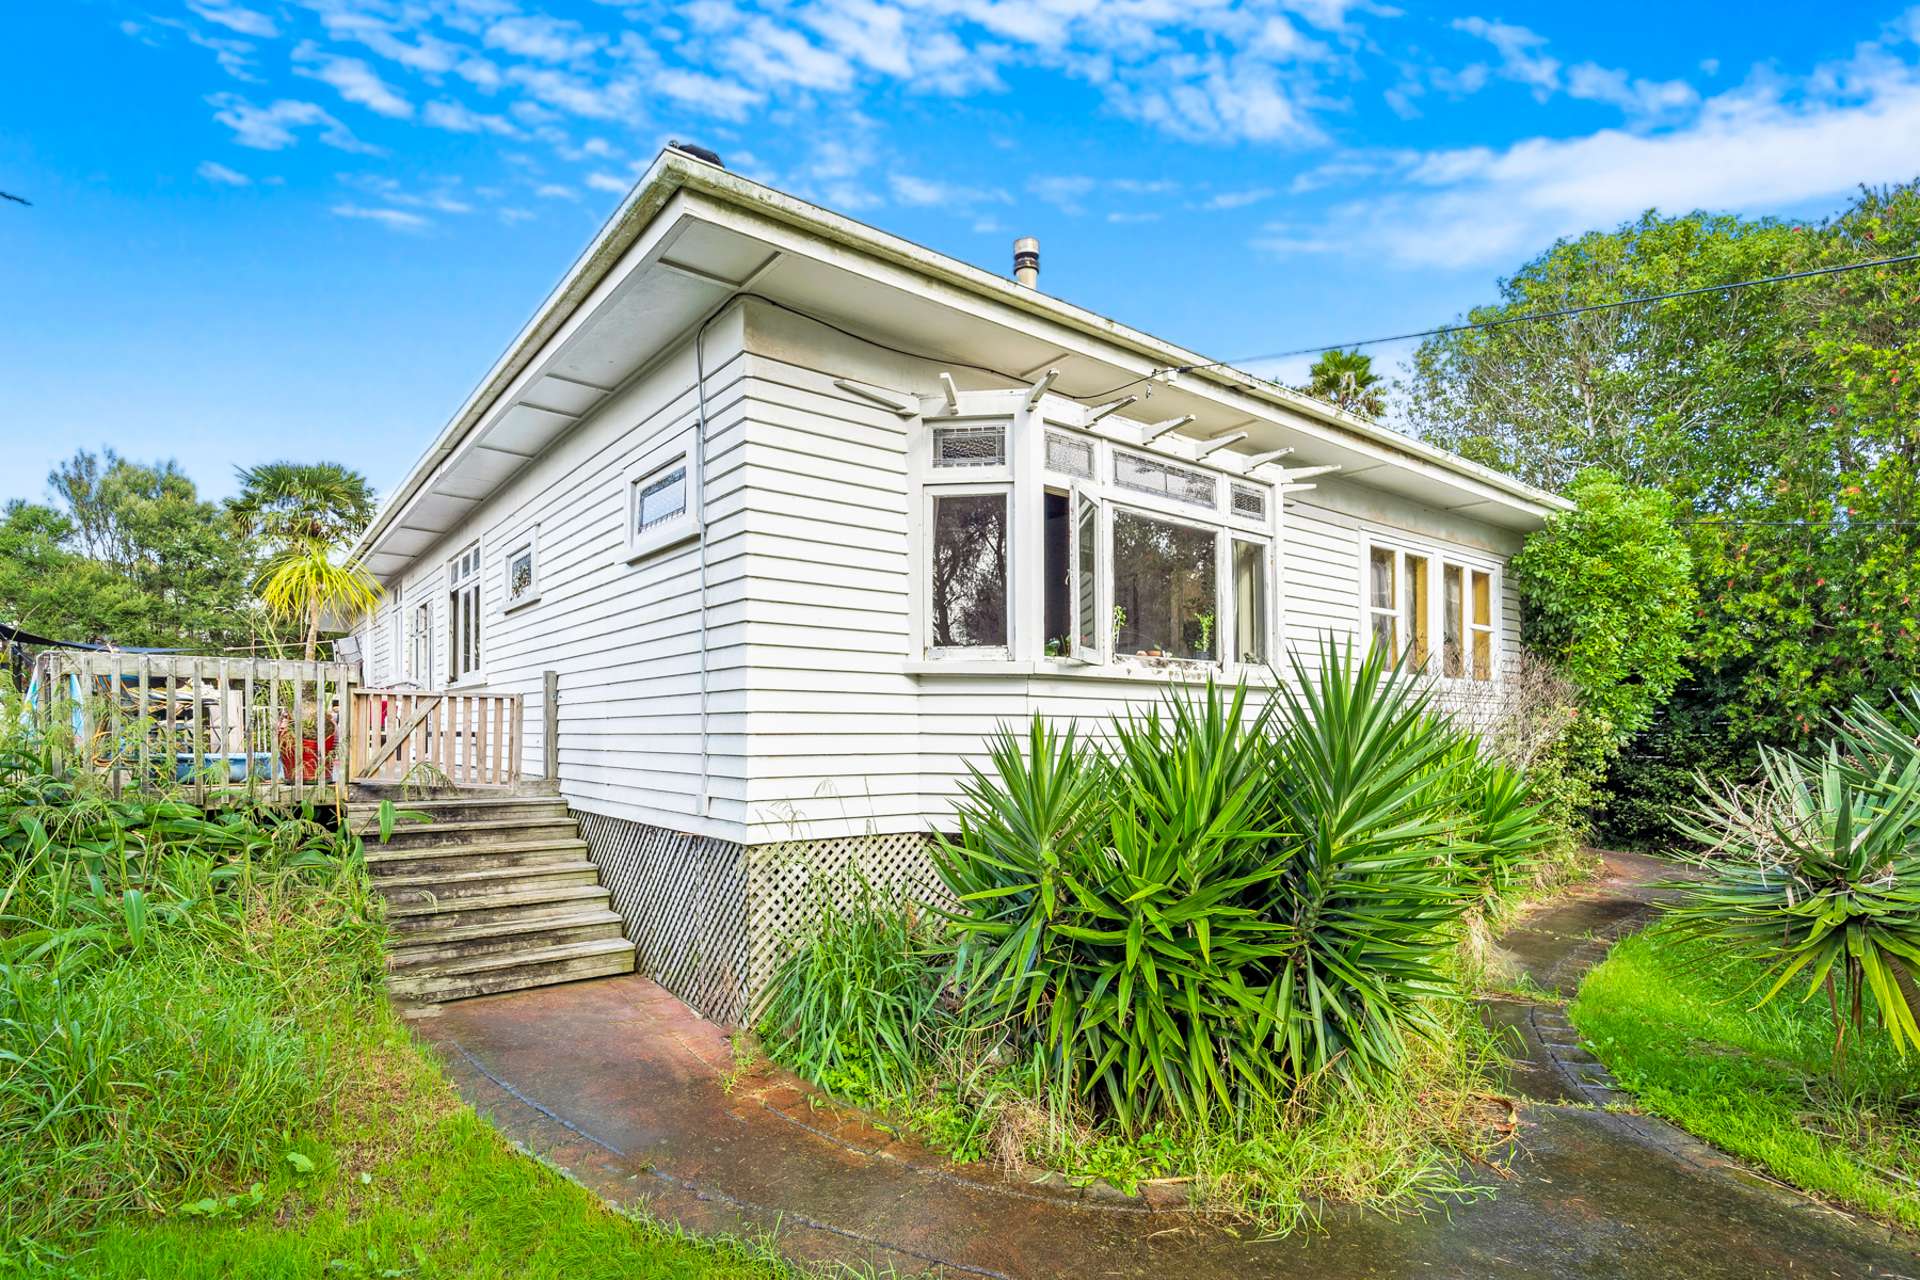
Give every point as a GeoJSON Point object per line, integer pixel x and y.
{"type": "Point", "coordinates": [419, 667]}
{"type": "Point", "coordinates": [1438, 561]}
{"type": "Point", "coordinates": [924, 610]}
{"type": "Point", "coordinates": [1025, 479]}
{"type": "Point", "coordinates": [397, 639]}
{"type": "Point", "coordinates": [682, 450]}
{"type": "Point", "coordinates": [527, 546]}
{"type": "Point", "coordinates": [466, 581]}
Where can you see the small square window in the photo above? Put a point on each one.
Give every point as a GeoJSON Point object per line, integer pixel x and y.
{"type": "Point", "coordinates": [663, 498]}
{"type": "Point", "coordinates": [522, 572]}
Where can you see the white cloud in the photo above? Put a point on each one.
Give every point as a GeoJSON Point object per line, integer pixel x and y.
{"type": "Point", "coordinates": [218, 174]}
{"type": "Point", "coordinates": [352, 79]}
{"type": "Point", "coordinates": [555, 191]}
{"type": "Point", "coordinates": [457, 117]}
{"type": "Point", "coordinates": [1237, 199]}
{"type": "Point", "coordinates": [546, 39]}
{"type": "Point", "coordinates": [927, 193]}
{"type": "Point", "coordinates": [575, 94]}
{"type": "Point", "coordinates": [1521, 53]}
{"type": "Point", "coordinates": [246, 21]}
{"type": "Point", "coordinates": [394, 219]}
{"type": "Point", "coordinates": [1647, 99]}
{"type": "Point", "coordinates": [1763, 147]}
{"type": "Point", "coordinates": [768, 51]}
{"type": "Point", "coordinates": [608, 182]}
{"type": "Point", "coordinates": [415, 50]}
{"type": "Point", "coordinates": [1066, 192]}
{"type": "Point", "coordinates": [1118, 216]}
{"type": "Point", "coordinates": [717, 97]}
{"type": "Point", "coordinates": [275, 127]}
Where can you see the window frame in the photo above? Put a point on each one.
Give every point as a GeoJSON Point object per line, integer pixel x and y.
{"type": "Point", "coordinates": [1025, 479]}
{"type": "Point", "coordinates": [930, 494]}
{"type": "Point", "coordinates": [680, 450]}
{"type": "Point", "coordinates": [530, 546]}
{"type": "Point", "coordinates": [419, 668]}
{"type": "Point", "coordinates": [1438, 561]}
{"type": "Point", "coordinates": [466, 582]}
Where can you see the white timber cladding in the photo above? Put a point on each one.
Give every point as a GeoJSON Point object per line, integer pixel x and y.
{"type": "Point", "coordinates": [619, 623]}
{"type": "Point", "coordinates": [828, 713]}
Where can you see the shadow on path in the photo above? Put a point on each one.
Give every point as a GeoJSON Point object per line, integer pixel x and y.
{"type": "Point", "coordinates": [620, 1084]}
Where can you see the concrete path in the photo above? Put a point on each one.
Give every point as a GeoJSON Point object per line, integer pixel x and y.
{"type": "Point", "coordinates": [617, 1082]}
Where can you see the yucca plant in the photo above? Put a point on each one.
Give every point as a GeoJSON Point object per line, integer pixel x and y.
{"type": "Point", "coordinates": [1108, 904]}
{"type": "Point", "coordinates": [1815, 871]}
{"type": "Point", "coordinates": [1362, 783]}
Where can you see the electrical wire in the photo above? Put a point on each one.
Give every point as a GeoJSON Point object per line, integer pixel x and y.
{"type": "Point", "coordinates": [1558, 314]}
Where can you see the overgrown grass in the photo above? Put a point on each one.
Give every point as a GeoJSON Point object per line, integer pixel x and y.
{"type": "Point", "coordinates": [1674, 1020]}
{"type": "Point", "coordinates": [200, 1076]}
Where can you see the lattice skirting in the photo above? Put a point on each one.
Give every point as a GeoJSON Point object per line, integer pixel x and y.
{"type": "Point", "coordinates": [712, 918]}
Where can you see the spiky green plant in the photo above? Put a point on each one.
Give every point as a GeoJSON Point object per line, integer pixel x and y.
{"type": "Point", "coordinates": [1222, 902]}
{"type": "Point", "coordinates": [1815, 871]}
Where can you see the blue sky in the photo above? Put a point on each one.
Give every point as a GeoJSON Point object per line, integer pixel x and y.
{"type": "Point", "coordinates": [304, 228]}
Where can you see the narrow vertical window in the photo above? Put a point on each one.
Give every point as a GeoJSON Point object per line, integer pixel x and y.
{"type": "Point", "coordinates": [1086, 578]}
{"type": "Point", "coordinates": [463, 614]}
{"type": "Point", "coordinates": [1482, 625]}
{"type": "Point", "coordinates": [1249, 602]}
{"type": "Point", "coordinates": [421, 668]}
{"type": "Point", "coordinates": [1415, 600]}
{"type": "Point", "coordinates": [1057, 571]}
{"type": "Point", "coordinates": [1380, 600]}
{"type": "Point", "coordinates": [1453, 655]}
{"type": "Point", "coordinates": [968, 599]}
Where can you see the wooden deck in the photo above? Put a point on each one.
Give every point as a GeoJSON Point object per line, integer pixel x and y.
{"type": "Point", "coordinates": [218, 730]}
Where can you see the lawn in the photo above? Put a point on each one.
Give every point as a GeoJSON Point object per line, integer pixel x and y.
{"type": "Point", "coordinates": [1674, 1021]}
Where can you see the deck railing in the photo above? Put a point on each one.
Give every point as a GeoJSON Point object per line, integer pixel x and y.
{"type": "Point", "coordinates": [426, 736]}
{"type": "Point", "coordinates": [213, 728]}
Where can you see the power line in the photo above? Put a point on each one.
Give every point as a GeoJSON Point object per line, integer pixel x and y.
{"type": "Point", "coordinates": [1559, 314]}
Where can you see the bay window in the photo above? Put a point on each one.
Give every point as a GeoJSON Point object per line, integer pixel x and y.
{"type": "Point", "coordinates": [1406, 608]}
{"type": "Point", "coordinates": [1040, 542]}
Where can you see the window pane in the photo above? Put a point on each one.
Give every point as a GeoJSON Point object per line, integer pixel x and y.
{"type": "Point", "coordinates": [1164, 588]}
{"type": "Point", "coordinates": [1415, 626]}
{"type": "Point", "coordinates": [661, 499]}
{"type": "Point", "coordinates": [1250, 602]}
{"type": "Point", "coordinates": [1380, 579]}
{"type": "Point", "coordinates": [1150, 475]}
{"type": "Point", "coordinates": [969, 578]}
{"type": "Point", "coordinates": [520, 575]}
{"type": "Point", "coordinates": [1087, 535]}
{"type": "Point", "coordinates": [1482, 626]}
{"type": "Point", "coordinates": [1453, 661]}
{"type": "Point", "coordinates": [1383, 638]}
{"type": "Point", "coordinates": [1057, 601]}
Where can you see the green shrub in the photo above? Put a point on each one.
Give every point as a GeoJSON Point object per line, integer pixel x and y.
{"type": "Point", "coordinates": [1223, 902]}
{"type": "Point", "coordinates": [851, 1006]}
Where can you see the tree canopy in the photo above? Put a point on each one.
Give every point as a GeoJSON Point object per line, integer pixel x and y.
{"type": "Point", "coordinates": [1346, 380]}
{"type": "Point", "coordinates": [1780, 419]}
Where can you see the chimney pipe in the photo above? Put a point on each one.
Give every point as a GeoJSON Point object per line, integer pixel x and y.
{"type": "Point", "coordinates": [1026, 261]}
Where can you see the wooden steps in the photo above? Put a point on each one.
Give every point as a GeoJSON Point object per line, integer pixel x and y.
{"type": "Point", "coordinates": [487, 893]}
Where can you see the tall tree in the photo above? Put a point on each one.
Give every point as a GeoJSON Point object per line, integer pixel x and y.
{"type": "Point", "coordinates": [304, 514]}
{"type": "Point", "coordinates": [1346, 380]}
{"type": "Point", "coordinates": [1782, 419]}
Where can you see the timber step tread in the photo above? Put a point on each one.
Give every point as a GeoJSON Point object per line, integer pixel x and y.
{"type": "Point", "coordinates": [480, 875]}
{"type": "Point", "coordinates": [482, 826]}
{"type": "Point", "coordinates": [392, 855]}
{"type": "Point", "coordinates": [535, 956]}
{"type": "Point", "coordinates": [441, 936]}
{"type": "Point", "coordinates": [522, 898]}
{"type": "Point", "coordinates": [489, 982]}
{"type": "Point", "coordinates": [538, 955]}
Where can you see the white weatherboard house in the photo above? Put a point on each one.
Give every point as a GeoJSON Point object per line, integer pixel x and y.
{"type": "Point", "coordinates": [800, 511]}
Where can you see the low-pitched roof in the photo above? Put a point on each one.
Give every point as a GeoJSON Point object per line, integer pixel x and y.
{"type": "Point", "coordinates": [691, 236]}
